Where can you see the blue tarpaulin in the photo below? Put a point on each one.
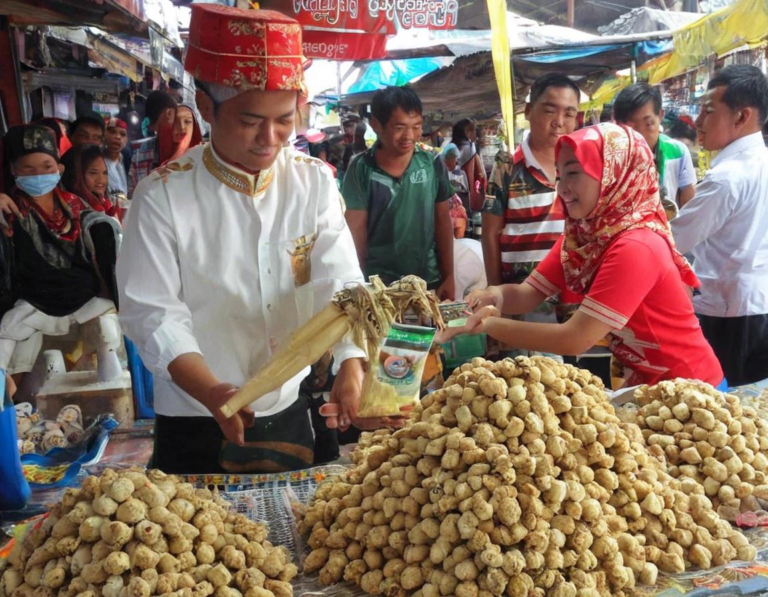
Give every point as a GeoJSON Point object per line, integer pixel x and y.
{"type": "Point", "coordinates": [569, 54]}
{"type": "Point", "coordinates": [657, 47]}
{"type": "Point", "coordinates": [385, 73]}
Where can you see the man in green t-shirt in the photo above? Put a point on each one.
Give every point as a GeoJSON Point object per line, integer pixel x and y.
{"type": "Point", "coordinates": [397, 199]}
{"type": "Point", "coordinates": [639, 106]}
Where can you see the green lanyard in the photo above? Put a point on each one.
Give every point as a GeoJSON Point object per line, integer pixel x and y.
{"type": "Point", "coordinates": [660, 162]}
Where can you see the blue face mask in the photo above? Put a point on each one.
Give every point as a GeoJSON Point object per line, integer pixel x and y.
{"type": "Point", "coordinates": [38, 184]}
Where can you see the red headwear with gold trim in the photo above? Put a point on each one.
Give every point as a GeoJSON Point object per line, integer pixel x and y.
{"type": "Point", "coordinates": [246, 50]}
{"type": "Point", "coordinates": [116, 123]}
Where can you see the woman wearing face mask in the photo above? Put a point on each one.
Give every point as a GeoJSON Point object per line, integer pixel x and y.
{"type": "Point", "coordinates": [86, 175]}
{"type": "Point", "coordinates": [184, 135]}
{"type": "Point", "coordinates": [62, 254]}
{"type": "Point", "coordinates": [618, 253]}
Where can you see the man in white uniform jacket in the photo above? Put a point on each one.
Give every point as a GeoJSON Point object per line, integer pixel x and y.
{"type": "Point", "coordinates": [230, 249]}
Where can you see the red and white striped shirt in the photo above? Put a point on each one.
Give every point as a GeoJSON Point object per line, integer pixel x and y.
{"type": "Point", "coordinates": [533, 218]}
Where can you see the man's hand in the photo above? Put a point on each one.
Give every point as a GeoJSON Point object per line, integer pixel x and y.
{"type": "Point", "coordinates": [190, 372]}
{"type": "Point", "coordinates": [447, 290]}
{"type": "Point", "coordinates": [235, 426]}
{"type": "Point", "coordinates": [341, 411]}
{"type": "Point", "coordinates": [345, 395]}
{"type": "Point", "coordinates": [490, 296]}
{"type": "Point", "coordinates": [10, 386]}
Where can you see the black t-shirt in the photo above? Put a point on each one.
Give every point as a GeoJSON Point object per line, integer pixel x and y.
{"type": "Point", "coordinates": [54, 291]}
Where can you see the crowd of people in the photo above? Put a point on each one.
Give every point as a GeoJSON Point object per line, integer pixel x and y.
{"type": "Point", "coordinates": [231, 245]}
{"type": "Point", "coordinates": [66, 189]}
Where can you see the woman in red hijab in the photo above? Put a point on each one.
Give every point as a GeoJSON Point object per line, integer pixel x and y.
{"type": "Point", "coordinates": [617, 252]}
{"type": "Point", "coordinates": [184, 135]}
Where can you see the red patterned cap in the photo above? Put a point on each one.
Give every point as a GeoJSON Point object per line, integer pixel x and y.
{"type": "Point", "coordinates": [245, 49]}
{"type": "Point", "coordinates": [115, 123]}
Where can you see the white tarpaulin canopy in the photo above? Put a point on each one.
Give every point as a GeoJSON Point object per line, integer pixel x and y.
{"type": "Point", "coordinates": [646, 20]}
{"type": "Point", "coordinates": [523, 33]}
{"type": "Point", "coordinates": [414, 44]}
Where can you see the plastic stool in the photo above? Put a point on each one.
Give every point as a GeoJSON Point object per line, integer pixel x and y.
{"type": "Point", "coordinates": [143, 384]}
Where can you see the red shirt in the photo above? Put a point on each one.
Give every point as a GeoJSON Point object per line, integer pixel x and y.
{"type": "Point", "coordinates": [638, 292]}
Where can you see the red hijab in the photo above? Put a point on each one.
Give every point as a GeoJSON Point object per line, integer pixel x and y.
{"type": "Point", "coordinates": [621, 160]}
{"type": "Point", "coordinates": [168, 151]}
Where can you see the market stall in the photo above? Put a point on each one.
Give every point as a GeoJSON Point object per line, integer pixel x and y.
{"type": "Point", "coordinates": [517, 477]}
{"type": "Point", "coordinates": [393, 520]}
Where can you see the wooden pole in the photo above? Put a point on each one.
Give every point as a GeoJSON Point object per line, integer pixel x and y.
{"type": "Point", "coordinates": [338, 81]}
{"type": "Point", "coordinates": [571, 12]}
{"type": "Point", "coordinates": [12, 92]}
{"type": "Point", "coordinates": [502, 65]}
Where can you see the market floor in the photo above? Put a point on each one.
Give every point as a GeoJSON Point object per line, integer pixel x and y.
{"type": "Point", "coordinates": [130, 447]}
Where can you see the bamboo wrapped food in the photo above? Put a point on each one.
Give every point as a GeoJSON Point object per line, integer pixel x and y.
{"type": "Point", "coordinates": [365, 311]}
{"type": "Point", "coordinates": [306, 346]}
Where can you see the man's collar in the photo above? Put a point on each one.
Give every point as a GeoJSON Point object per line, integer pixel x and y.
{"type": "Point", "coordinates": [235, 178]}
{"type": "Point", "coordinates": [524, 152]}
{"type": "Point", "coordinates": [370, 155]}
{"type": "Point", "coordinates": [519, 155]}
{"type": "Point", "coordinates": [752, 141]}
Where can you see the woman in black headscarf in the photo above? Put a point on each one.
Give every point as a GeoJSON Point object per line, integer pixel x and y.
{"type": "Point", "coordinates": [60, 254]}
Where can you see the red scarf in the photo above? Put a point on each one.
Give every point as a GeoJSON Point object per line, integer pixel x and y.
{"type": "Point", "coordinates": [64, 222]}
{"type": "Point", "coordinates": [102, 203]}
{"type": "Point", "coordinates": [629, 199]}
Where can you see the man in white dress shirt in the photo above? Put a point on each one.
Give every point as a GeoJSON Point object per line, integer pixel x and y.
{"type": "Point", "coordinates": [725, 226]}
{"type": "Point", "coordinates": [229, 250]}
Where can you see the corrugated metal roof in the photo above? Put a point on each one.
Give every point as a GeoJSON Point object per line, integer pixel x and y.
{"type": "Point", "coordinates": [647, 20]}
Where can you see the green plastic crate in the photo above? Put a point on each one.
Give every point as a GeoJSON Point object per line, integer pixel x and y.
{"type": "Point", "coordinates": [463, 348]}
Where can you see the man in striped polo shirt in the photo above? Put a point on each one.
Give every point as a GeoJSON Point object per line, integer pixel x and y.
{"type": "Point", "coordinates": [521, 217]}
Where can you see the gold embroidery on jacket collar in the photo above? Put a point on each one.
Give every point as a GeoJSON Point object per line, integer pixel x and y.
{"type": "Point", "coordinates": [234, 179]}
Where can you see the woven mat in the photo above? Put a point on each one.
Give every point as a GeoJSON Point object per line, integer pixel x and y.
{"type": "Point", "coordinates": [267, 498]}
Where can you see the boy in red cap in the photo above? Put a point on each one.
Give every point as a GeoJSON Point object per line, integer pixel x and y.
{"type": "Point", "coordinates": [231, 248]}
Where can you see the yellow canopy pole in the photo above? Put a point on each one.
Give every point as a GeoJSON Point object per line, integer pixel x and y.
{"type": "Point", "coordinates": [502, 65]}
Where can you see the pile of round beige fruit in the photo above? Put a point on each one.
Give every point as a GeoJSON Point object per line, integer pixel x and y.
{"type": "Point", "coordinates": [710, 442]}
{"type": "Point", "coordinates": [516, 478]}
{"type": "Point", "coordinates": [136, 534]}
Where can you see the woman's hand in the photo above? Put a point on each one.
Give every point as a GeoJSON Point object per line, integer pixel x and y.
{"type": "Point", "coordinates": [476, 322]}
{"type": "Point", "coordinates": [490, 296]}
{"type": "Point", "coordinates": [8, 208]}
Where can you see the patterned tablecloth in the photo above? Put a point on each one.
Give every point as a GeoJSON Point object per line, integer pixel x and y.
{"type": "Point", "coordinates": [270, 499]}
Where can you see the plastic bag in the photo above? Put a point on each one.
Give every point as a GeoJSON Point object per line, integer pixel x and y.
{"type": "Point", "coordinates": [14, 489]}
{"type": "Point", "coordinates": [393, 380]}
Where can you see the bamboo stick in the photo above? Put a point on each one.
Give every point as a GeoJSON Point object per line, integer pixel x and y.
{"type": "Point", "coordinates": [304, 348]}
